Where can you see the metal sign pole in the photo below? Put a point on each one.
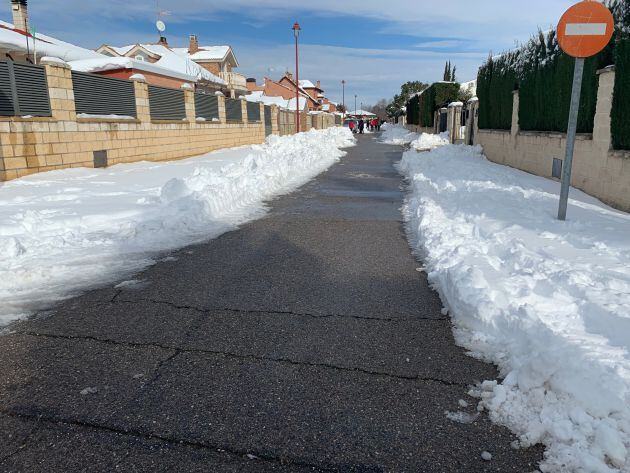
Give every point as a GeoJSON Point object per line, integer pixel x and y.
{"type": "Point", "coordinates": [571, 133]}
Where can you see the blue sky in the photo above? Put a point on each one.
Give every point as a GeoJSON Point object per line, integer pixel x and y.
{"type": "Point", "coordinates": [374, 45]}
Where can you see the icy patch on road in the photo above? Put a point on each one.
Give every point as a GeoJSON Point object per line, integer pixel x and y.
{"type": "Point", "coordinates": [65, 231]}
{"type": "Point", "coordinates": [547, 301]}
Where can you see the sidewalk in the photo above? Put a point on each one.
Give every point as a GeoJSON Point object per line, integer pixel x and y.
{"type": "Point", "coordinates": [305, 341]}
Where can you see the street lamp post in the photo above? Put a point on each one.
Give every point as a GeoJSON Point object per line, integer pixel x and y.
{"type": "Point", "coordinates": [343, 99]}
{"type": "Point", "coordinates": [296, 33]}
{"type": "Point", "coordinates": [355, 104]}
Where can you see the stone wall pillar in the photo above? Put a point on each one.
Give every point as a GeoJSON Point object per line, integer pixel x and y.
{"type": "Point", "coordinates": [143, 109]}
{"type": "Point", "coordinates": [189, 102]}
{"type": "Point", "coordinates": [60, 91]}
{"type": "Point", "coordinates": [244, 110]}
{"type": "Point", "coordinates": [275, 128]}
{"type": "Point", "coordinates": [222, 113]}
{"type": "Point", "coordinates": [454, 122]}
{"type": "Point", "coordinates": [515, 110]}
{"type": "Point", "coordinates": [602, 137]}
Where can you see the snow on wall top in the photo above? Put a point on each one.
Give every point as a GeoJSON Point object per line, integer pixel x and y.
{"type": "Point", "coordinates": [44, 45]}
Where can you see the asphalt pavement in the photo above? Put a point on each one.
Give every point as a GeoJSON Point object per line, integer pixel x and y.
{"type": "Point", "coordinates": [307, 340]}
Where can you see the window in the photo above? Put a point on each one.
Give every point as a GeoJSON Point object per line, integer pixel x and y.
{"type": "Point", "coordinates": [139, 58]}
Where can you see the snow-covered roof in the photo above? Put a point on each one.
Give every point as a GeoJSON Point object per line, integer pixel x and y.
{"type": "Point", "coordinates": [258, 96]}
{"type": "Point", "coordinates": [15, 41]}
{"type": "Point", "coordinates": [107, 63]}
{"type": "Point", "coordinates": [470, 86]}
{"type": "Point", "coordinates": [307, 84]}
{"type": "Point", "coordinates": [171, 60]}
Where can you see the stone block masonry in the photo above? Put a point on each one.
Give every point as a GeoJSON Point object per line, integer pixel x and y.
{"type": "Point", "coordinates": [31, 145]}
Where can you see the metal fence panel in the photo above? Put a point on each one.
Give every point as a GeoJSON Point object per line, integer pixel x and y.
{"type": "Point", "coordinates": [253, 112]}
{"type": "Point", "coordinates": [268, 124]}
{"type": "Point", "coordinates": [6, 94]}
{"type": "Point", "coordinates": [32, 90]}
{"type": "Point", "coordinates": [98, 95]}
{"type": "Point", "coordinates": [166, 104]}
{"type": "Point", "coordinates": [207, 106]}
{"type": "Point", "coordinates": [23, 90]}
{"type": "Point", "coordinates": [233, 110]}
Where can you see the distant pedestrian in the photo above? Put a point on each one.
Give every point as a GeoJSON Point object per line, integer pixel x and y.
{"type": "Point", "coordinates": [361, 126]}
{"type": "Point", "coordinates": [351, 125]}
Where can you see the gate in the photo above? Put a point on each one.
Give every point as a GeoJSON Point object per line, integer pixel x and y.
{"type": "Point", "coordinates": [471, 134]}
{"type": "Point", "coordinates": [268, 126]}
{"type": "Point", "coordinates": [443, 121]}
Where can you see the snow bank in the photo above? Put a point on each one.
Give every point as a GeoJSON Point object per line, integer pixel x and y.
{"type": "Point", "coordinates": [427, 141]}
{"type": "Point", "coordinates": [547, 301]}
{"type": "Point", "coordinates": [64, 231]}
{"type": "Point", "coordinates": [397, 135]}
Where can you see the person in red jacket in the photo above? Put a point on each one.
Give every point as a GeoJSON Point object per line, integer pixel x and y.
{"type": "Point", "coordinates": [351, 126]}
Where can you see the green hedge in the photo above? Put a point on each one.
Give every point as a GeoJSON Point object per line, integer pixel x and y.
{"type": "Point", "coordinates": [545, 95]}
{"type": "Point", "coordinates": [620, 126]}
{"type": "Point", "coordinates": [543, 74]}
{"type": "Point", "coordinates": [413, 110]}
{"type": "Point", "coordinates": [421, 108]}
{"type": "Point", "coordinates": [496, 83]}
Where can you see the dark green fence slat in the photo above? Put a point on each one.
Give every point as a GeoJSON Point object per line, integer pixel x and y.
{"type": "Point", "coordinates": [253, 112]}
{"type": "Point", "coordinates": [23, 90]}
{"type": "Point", "coordinates": [6, 94]}
{"type": "Point", "coordinates": [98, 95]}
{"type": "Point", "coordinates": [233, 110]}
{"type": "Point", "coordinates": [268, 124]}
{"type": "Point", "coordinates": [207, 106]}
{"type": "Point", "coordinates": [166, 104]}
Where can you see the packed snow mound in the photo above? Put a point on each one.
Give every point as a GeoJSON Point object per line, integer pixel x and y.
{"type": "Point", "coordinates": [547, 301]}
{"type": "Point", "coordinates": [428, 141]}
{"type": "Point", "coordinates": [66, 231]}
{"type": "Point", "coordinates": [397, 135]}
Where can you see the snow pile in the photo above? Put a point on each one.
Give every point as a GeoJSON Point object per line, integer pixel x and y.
{"type": "Point", "coordinates": [428, 141]}
{"type": "Point", "coordinates": [65, 231]}
{"type": "Point", "coordinates": [397, 135]}
{"type": "Point", "coordinates": [547, 301]}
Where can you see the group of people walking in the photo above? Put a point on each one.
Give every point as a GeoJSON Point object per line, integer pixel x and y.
{"type": "Point", "coordinates": [371, 124]}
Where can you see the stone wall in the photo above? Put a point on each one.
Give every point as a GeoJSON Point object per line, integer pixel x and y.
{"type": "Point", "coordinates": [31, 145]}
{"type": "Point", "coordinates": [597, 169]}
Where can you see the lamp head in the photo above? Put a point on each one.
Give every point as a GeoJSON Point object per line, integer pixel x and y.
{"type": "Point", "coordinates": [296, 29]}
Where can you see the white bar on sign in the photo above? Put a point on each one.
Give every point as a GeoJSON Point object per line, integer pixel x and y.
{"type": "Point", "coordinates": [586, 29]}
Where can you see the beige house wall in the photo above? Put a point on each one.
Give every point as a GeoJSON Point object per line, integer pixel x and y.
{"type": "Point", "coordinates": [31, 145]}
{"type": "Point", "coordinates": [597, 169]}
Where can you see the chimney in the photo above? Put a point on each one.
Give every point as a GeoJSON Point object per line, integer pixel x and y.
{"type": "Point", "coordinates": [20, 15]}
{"type": "Point", "coordinates": [163, 42]}
{"type": "Point", "coordinates": [251, 84]}
{"type": "Point", "coordinates": [289, 75]}
{"type": "Point", "coordinates": [319, 85]}
{"type": "Point", "coordinates": [193, 46]}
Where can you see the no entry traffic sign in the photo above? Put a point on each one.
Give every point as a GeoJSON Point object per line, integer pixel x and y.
{"type": "Point", "coordinates": [584, 30]}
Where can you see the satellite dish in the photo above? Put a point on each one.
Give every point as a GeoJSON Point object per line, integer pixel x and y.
{"type": "Point", "coordinates": [160, 26]}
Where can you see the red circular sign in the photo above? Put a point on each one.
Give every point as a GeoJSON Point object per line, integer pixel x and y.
{"type": "Point", "coordinates": [585, 29]}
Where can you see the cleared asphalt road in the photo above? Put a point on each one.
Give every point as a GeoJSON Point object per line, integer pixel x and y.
{"type": "Point", "coordinates": [305, 341]}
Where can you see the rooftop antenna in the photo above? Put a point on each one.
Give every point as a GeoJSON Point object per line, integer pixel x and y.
{"type": "Point", "coordinates": [159, 24]}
